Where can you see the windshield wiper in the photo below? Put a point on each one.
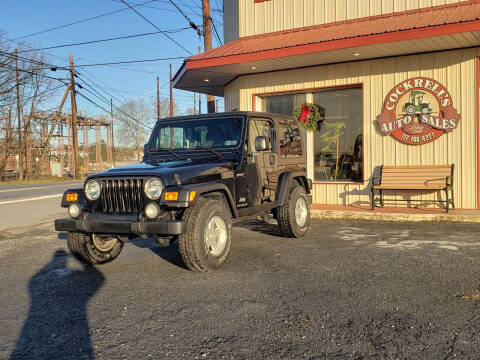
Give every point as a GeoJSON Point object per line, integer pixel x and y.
{"type": "Point", "coordinates": [170, 151]}
{"type": "Point", "coordinates": [219, 155]}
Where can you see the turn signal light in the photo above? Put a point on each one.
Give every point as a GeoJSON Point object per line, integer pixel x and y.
{"type": "Point", "coordinates": [171, 196]}
{"type": "Point", "coordinates": [191, 197]}
{"type": "Point", "coordinates": [72, 197]}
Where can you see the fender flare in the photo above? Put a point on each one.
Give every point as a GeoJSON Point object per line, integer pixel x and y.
{"type": "Point", "coordinates": [285, 180]}
{"type": "Point", "coordinates": [212, 187]}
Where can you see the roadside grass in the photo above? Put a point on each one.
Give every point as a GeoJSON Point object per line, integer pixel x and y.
{"type": "Point", "coordinates": [37, 181]}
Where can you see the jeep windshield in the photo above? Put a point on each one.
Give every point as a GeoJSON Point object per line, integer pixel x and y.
{"type": "Point", "coordinates": [193, 134]}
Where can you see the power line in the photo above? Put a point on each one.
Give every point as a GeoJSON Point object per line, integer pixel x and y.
{"type": "Point", "coordinates": [84, 72]}
{"type": "Point", "coordinates": [216, 33]}
{"type": "Point", "coordinates": [192, 24]}
{"type": "Point", "coordinates": [156, 27]}
{"type": "Point", "coordinates": [131, 61]}
{"type": "Point", "coordinates": [91, 87]}
{"type": "Point", "coordinates": [218, 6]}
{"type": "Point", "coordinates": [107, 101]}
{"type": "Point", "coordinates": [32, 61]}
{"type": "Point", "coordinates": [105, 40]}
{"type": "Point", "coordinates": [35, 73]}
{"type": "Point", "coordinates": [59, 58]}
{"type": "Point", "coordinates": [31, 97]}
{"type": "Point", "coordinates": [145, 127]}
{"type": "Point", "coordinates": [77, 22]}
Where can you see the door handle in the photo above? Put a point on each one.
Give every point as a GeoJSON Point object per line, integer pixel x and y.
{"type": "Point", "coordinates": [273, 159]}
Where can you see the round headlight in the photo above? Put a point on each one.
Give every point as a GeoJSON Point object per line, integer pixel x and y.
{"type": "Point", "coordinates": [154, 188]}
{"type": "Point", "coordinates": [92, 190]}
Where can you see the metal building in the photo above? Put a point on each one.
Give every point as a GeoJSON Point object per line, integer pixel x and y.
{"type": "Point", "coordinates": [367, 65]}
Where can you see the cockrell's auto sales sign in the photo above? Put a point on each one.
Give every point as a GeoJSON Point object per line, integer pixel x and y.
{"type": "Point", "coordinates": [417, 111]}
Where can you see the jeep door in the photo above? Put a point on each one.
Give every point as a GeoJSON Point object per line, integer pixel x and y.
{"type": "Point", "coordinates": [260, 165]}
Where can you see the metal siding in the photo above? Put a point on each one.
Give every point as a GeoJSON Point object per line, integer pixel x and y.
{"type": "Point", "coordinates": [275, 15]}
{"type": "Point", "coordinates": [454, 69]}
{"type": "Point", "coordinates": [231, 17]}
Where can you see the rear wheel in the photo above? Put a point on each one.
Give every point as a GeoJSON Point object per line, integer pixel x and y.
{"type": "Point", "coordinates": [94, 249]}
{"type": "Point", "coordinates": [207, 242]}
{"type": "Point", "coordinates": [294, 216]}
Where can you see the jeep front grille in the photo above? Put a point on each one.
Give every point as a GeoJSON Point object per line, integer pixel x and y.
{"type": "Point", "coordinates": [122, 196]}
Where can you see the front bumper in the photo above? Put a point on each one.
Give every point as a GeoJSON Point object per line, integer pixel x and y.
{"type": "Point", "coordinates": [121, 227]}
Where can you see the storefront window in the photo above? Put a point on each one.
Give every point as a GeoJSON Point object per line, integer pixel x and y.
{"type": "Point", "coordinates": [284, 104]}
{"type": "Point", "coordinates": [338, 151]}
{"type": "Point", "coordinates": [290, 144]}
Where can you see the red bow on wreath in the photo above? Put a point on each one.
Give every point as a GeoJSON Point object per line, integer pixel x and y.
{"type": "Point", "coordinates": [305, 112]}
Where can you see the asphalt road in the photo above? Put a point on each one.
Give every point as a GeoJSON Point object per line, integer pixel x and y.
{"type": "Point", "coordinates": [21, 205]}
{"type": "Point", "coordinates": [348, 290]}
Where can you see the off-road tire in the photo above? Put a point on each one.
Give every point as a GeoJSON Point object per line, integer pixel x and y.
{"type": "Point", "coordinates": [192, 245]}
{"type": "Point", "coordinates": [287, 222]}
{"type": "Point", "coordinates": [83, 249]}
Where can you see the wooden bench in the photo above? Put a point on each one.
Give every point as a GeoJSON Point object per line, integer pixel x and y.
{"type": "Point", "coordinates": [415, 178]}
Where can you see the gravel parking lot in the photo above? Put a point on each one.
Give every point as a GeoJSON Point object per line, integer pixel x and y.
{"type": "Point", "coordinates": [348, 290]}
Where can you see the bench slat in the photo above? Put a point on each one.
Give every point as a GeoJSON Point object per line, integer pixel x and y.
{"type": "Point", "coordinates": [401, 187]}
{"type": "Point", "coordinates": [417, 167]}
{"type": "Point", "coordinates": [415, 173]}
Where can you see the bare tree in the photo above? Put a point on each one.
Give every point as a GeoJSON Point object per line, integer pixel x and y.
{"type": "Point", "coordinates": [35, 89]}
{"type": "Point", "coordinates": [165, 107]}
{"type": "Point", "coordinates": [6, 136]}
{"type": "Point", "coordinates": [135, 118]}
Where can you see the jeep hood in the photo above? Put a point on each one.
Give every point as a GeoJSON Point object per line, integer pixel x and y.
{"type": "Point", "coordinates": [188, 171]}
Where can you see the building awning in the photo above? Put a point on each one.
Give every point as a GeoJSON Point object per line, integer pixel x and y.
{"type": "Point", "coordinates": [436, 28]}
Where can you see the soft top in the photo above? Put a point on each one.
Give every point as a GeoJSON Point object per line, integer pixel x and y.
{"type": "Point", "coordinates": [231, 113]}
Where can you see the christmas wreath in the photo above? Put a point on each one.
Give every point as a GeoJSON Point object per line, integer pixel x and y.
{"type": "Point", "coordinates": [307, 116]}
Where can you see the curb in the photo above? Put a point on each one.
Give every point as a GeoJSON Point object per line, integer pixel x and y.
{"type": "Point", "coordinates": [363, 215]}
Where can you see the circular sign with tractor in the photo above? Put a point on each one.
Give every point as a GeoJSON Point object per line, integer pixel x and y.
{"type": "Point", "coordinates": [418, 111]}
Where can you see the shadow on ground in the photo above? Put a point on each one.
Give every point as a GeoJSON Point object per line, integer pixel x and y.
{"type": "Point", "coordinates": [169, 253]}
{"type": "Point", "coordinates": [52, 330]}
{"type": "Point", "coordinates": [268, 228]}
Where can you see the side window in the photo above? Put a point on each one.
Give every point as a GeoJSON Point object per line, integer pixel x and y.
{"type": "Point", "coordinates": [290, 139]}
{"type": "Point", "coordinates": [260, 127]}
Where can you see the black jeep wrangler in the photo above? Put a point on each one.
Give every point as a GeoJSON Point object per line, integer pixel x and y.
{"type": "Point", "coordinates": [200, 174]}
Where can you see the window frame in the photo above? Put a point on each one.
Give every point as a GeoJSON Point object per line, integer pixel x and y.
{"type": "Point", "coordinates": [273, 133]}
{"type": "Point", "coordinates": [259, 97]}
{"type": "Point", "coordinates": [237, 147]}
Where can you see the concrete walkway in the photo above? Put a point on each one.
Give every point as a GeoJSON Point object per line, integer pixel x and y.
{"type": "Point", "coordinates": [394, 214]}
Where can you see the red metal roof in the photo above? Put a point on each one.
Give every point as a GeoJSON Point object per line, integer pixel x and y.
{"type": "Point", "coordinates": [418, 23]}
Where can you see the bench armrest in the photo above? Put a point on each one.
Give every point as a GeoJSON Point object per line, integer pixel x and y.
{"type": "Point", "coordinates": [449, 180]}
{"type": "Point", "coordinates": [376, 180]}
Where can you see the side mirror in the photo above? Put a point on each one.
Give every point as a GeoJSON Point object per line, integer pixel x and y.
{"type": "Point", "coordinates": [260, 143]}
{"type": "Point", "coordinates": [145, 148]}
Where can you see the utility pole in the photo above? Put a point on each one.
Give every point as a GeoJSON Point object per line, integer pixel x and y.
{"type": "Point", "coordinates": [171, 92]}
{"type": "Point", "coordinates": [158, 99]}
{"type": "Point", "coordinates": [74, 120]}
{"type": "Point", "coordinates": [111, 128]}
{"type": "Point", "coordinates": [20, 147]}
{"type": "Point", "coordinates": [199, 94]}
{"type": "Point", "coordinates": [216, 106]}
{"type": "Point", "coordinates": [194, 103]}
{"type": "Point", "coordinates": [207, 44]}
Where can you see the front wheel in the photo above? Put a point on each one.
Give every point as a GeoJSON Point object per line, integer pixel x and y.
{"type": "Point", "coordinates": [208, 240]}
{"type": "Point", "coordinates": [94, 249]}
{"type": "Point", "coordinates": [294, 216]}
{"type": "Point", "coordinates": [410, 109]}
